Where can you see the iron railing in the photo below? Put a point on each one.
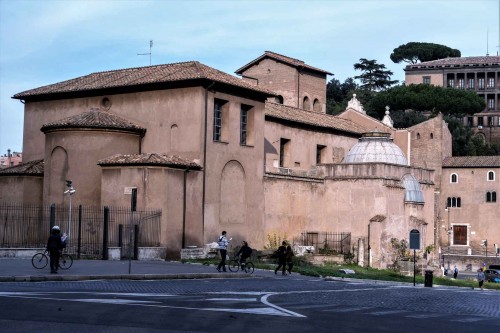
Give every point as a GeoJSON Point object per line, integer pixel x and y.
{"type": "Point", "coordinates": [28, 226]}
{"type": "Point", "coordinates": [328, 242]}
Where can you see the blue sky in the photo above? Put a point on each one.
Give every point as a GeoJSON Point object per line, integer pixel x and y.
{"type": "Point", "coordinates": [44, 42]}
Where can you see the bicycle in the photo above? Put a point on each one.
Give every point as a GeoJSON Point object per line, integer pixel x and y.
{"type": "Point", "coordinates": [41, 259]}
{"type": "Point", "coordinates": [235, 264]}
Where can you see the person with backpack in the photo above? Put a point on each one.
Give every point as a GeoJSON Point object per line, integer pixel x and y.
{"type": "Point", "coordinates": [281, 253]}
{"type": "Point", "coordinates": [245, 252]}
{"type": "Point", "coordinates": [289, 258]}
{"type": "Point", "coordinates": [223, 243]}
{"type": "Point", "coordinates": [455, 272]}
{"type": "Point", "coordinates": [54, 246]}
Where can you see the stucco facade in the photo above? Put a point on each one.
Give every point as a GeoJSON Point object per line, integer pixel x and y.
{"type": "Point", "coordinates": [210, 152]}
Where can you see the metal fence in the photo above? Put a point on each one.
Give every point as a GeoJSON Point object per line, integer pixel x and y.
{"type": "Point", "coordinates": [28, 226]}
{"type": "Point", "coordinates": [328, 242]}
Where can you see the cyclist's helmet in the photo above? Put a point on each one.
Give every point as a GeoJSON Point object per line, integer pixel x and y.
{"type": "Point", "coordinates": [56, 227]}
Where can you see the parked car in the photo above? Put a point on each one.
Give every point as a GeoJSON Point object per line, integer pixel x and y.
{"type": "Point", "coordinates": [492, 275]}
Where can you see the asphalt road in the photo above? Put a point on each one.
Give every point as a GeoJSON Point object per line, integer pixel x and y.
{"type": "Point", "coordinates": [261, 304]}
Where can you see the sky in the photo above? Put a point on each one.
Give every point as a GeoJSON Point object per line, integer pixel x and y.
{"type": "Point", "coordinates": [44, 42]}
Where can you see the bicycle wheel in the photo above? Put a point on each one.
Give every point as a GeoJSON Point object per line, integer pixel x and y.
{"type": "Point", "coordinates": [65, 261]}
{"type": "Point", "coordinates": [39, 260]}
{"type": "Point", "coordinates": [249, 267]}
{"type": "Point", "coordinates": [233, 265]}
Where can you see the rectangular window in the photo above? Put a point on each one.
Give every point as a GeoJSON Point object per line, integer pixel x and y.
{"type": "Point", "coordinates": [243, 125]}
{"type": "Point", "coordinates": [490, 121]}
{"type": "Point", "coordinates": [217, 121]}
{"type": "Point", "coordinates": [320, 150]}
{"type": "Point", "coordinates": [461, 84]}
{"type": "Point", "coordinates": [480, 83]}
{"type": "Point", "coordinates": [491, 82]}
{"type": "Point", "coordinates": [470, 121]}
{"type": "Point", "coordinates": [426, 79]}
{"type": "Point", "coordinates": [471, 84]}
{"type": "Point", "coordinates": [221, 120]}
{"type": "Point", "coordinates": [284, 152]}
{"type": "Point", "coordinates": [491, 104]}
{"type": "Point", "coordinates": [451, 83]}
{"type": "Point", "coordinates": [479, 121]}
{"type": "Point", "coordinates": [459, 235]}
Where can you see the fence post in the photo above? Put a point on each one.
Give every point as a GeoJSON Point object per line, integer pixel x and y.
{"type": "Point", "coordinates": [52, 216]}
{"type": "Point", "coordinates": [136, 241]}
{"type": "Point", "coordinates": [79, 237]}
{"type": "Point", "coordinates": [105, 234]}
{"type": "Point", "coordinates": [120, 236]}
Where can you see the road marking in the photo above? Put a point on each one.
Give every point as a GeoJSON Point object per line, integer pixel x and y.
{"type": "Point", "coordinates": [424, 315]}
{"type": "Point", "coordinates": [232, 299]}
{"type": "Point", "coordinates": [349, 309]}
{"type": "Point", "coordinates": [386, 312]}
{"type": "Point", "coordinates": [467, 320]}
{"type": "Point", "coordinates": [291, 313]}
{"type": "Point", "coordinates": [111, 301]}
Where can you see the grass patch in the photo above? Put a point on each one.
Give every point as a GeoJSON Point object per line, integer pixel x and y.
{"type": "Point", "coordinates": [305, 268]}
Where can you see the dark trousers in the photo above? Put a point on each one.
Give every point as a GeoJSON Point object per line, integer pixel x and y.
{"type": "Point", "coordinates": [54, 259]}
{"type": "Point", "coordinates": [222, 263]}
{"type": "Point", "coordinates": [290, 266]}
{"type": "Point", "coordinates": [281, 263]}
{"type": "Point", "coordinates": [455, 275]}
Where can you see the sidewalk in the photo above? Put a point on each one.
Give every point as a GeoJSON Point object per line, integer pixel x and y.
{"type": "Point", "coordinates": [21, 270]}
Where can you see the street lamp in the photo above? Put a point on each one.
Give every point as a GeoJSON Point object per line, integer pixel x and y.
{"type": "Point", "coordinates": [70, 191]}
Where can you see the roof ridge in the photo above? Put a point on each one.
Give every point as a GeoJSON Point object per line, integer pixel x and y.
{"type": "Point", "coordinates": [284, 56]}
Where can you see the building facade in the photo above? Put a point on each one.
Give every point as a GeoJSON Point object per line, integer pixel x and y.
{"type": "Point", "coordinates": [479, 74]}
{"type": "Point", "coordinates": [256, 156]}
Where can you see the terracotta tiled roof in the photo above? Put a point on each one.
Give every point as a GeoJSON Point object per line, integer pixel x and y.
{"type": "Point", "coordinates": [457, 62]}
{"type": "Point", "coordinates": [31, 168]}
{"type": "Point", "coordinates": [94, 118]}
{"type": "Point", "coordinates": [287, 60]}
{"type": "Point", "coordinates": [151, 159]}
{"type": "Point", "coordinates": [472, 162]}
{"type": "Point", "coordinates": [182, 71]}
{"type": "Point", "coordinates": [317, 119]}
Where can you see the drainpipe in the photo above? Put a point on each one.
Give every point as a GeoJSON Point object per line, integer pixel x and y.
{"type": "Point", "coordinates": [205, 161]}
{"type": "Point", "coordinates": [184, 210]}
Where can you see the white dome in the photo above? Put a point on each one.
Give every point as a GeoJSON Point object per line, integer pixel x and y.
{"type": "Point", "coordinates": [376, 146]}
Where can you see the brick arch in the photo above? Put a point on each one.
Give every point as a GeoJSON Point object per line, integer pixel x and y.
{"type": "Point", "coordinates": [316, 105]}
{"type": "Point", "coordinates": [306, 103]}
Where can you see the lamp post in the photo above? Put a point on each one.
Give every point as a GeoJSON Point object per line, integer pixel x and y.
{"type": "Point", "coordinates": [70, 191]}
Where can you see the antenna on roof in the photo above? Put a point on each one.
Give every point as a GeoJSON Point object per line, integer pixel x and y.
{"type": "Point", "coordinates": [150, 46]}
{"type": "Point", "coordinates": [487, 53]}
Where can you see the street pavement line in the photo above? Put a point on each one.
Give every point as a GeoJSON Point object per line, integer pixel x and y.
{"type": "Point", "coordinates": [291, 313]}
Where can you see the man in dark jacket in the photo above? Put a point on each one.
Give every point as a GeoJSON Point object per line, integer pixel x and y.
{"type": "Point", "coordinates": [54, 246]}
{"type": "Point", "coordinates": [245, 252]}
{"type": "Point", "coordinates": [281, 258]}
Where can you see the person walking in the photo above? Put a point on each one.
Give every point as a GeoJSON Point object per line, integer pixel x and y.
{"type": "Point", "coordinates": [281, 252]}
{"type": "Point", "coordinates": [481, 278]}
{"type": "Point", "coordinates": [289, 258]}
{"type": "Point", "coordinates": [223, 243]}
{"type": "Point", "coordinates": [54, 246]}
{"type": "Point", "coordinates": [455, 272]}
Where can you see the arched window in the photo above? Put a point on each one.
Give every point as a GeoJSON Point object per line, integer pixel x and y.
{"type": "Point", "coordinates": [279, 99]}
{"type": "Point", "coordinates": [432, 136]}
{"type": "Point", "coordinates": [453, 178]}
{"type": "Point", "coordinates": [454, 202]}
{"type": "Point", "coordinates": [418, 136]}
{"type": "Point", "coordinates": [316, 105]}
{"type": "Point", "coordinates": [491, 176]}
{"type": "Point", "coordinates": [491, 196]}
{"type": "Point", "coordinates": [306, 105]}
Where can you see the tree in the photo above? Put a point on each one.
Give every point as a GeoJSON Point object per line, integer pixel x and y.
{"type": "Point", "coordinates": [465, 143]}
{"type": "Point", "coordinates": [426, 97]}
{"type": "Point", "coordinates": [414, 52]}
{"type": "Point", "coordinates": [337, 94]}
{"type": "Point", "coordinates": [375, 76]}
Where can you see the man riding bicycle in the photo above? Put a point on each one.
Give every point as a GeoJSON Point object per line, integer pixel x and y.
{"type": "Point", "coordinates": [244, 253]}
